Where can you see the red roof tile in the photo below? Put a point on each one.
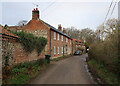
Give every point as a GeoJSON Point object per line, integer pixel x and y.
{"type": "Point", "coordinates": [76, 40]}
{"type": "Point", "coordinates": [4, 31]}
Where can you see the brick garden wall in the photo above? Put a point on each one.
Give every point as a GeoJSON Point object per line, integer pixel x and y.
{"type": "Point", "coordinates": [17, 54]}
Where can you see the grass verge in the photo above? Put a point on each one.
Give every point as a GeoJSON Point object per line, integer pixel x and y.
{"type": "Point", "coordinates": [60, 58]}
{"type": "Point", "coordinates": [23, 72]}
{"type": "Point", "coordinates": [104, 74]}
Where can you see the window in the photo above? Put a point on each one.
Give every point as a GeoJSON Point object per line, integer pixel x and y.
{"type": "Point", "coordinates": [76, 46]}
{"type": "Point", "coordinates": [58, 50]}
{"type": "Point", "coordinates": [61, 49]}
{"type": "Point", "coordinates": [19, 30]}
{"type": "Point", "coordinates": [61, 38]}
{"type": "Point", "coordinates": [54, 50]}
{"type": "Point", "coordinates": [64, 49]}
{"type": "Point", "coordinates": [58, 36]}
{"type": "Point", "coordinates": [70, 41]}
{"type": "Point", "coordinates": [67, 40]}
{"type": "Point", "coordinates": [54, 35]}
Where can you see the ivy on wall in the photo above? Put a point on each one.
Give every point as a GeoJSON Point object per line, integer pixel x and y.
{"type": "Point", "coordinates": [31, 42]}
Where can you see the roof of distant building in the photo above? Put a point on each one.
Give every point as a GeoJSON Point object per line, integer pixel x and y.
{"type": "Point", "coordinates": [76, 40]}
{"type": "Point", "coordinates": [5, 32]}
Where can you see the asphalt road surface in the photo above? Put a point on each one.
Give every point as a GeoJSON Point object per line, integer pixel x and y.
{"type": "Point", "coordinates": [71, 70]}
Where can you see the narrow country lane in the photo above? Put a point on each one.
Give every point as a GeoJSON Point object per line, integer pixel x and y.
{"type": "Point", "coordinates": [68, 71]}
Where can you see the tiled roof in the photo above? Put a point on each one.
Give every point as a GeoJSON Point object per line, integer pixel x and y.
{"type": "Point", "coordinates": [5, 32]}
{"type": "Point", "coordinates": [36, 24]}
{"type": "Point", "coordinates": [56, 30]}
{"type": "Point", "coordinates": [76, 40]}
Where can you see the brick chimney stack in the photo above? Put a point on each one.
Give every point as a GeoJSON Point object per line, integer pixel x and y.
{"type": "Point", "coordinates": [35, 14]}
{"type": "Point", "coordinates": [69, 35]}
{"type": "Point", "coordinates": [64, 31]}
{"type": "Point", "coordinates": [59, 27]}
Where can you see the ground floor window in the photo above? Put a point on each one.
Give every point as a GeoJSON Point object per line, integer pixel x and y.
{"type": "Point", "coordinates": [62, 50]}
{"type": "Point", "coordinates": [54, 50]}
{"type": "Point", "coordinates": [58, 50]}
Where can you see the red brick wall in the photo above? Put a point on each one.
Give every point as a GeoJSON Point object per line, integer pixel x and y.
{"type": "Point", "coordinates": [17, 54]}
{"type": "Point", "coordinates": [77, 46]}
{"type": "Point", "coordinates": [59, 43]}
{"type": "Point", "coordinates": [38, 28]}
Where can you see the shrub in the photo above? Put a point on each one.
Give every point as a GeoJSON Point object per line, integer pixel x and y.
{"type": "Point", "coordinates": [22, 72]}
{"type": "Point", "coordinates": [42, 62]}
{"type": "Point", "coordinates": [106, 53]}
{"type": "Point", "coordinates": [31, 42]}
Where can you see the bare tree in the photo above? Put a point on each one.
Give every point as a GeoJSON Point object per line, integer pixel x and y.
{"type": "Point", "coordinates": [111, 25]}
{"type": "Point", "coordinates": [74, 32]}
{"type": "Point", "coordinates": [100, 32]}
{"type": "Point", "coordinates": [22, 22]}
{"type": "Point", "coordinates": [86, 35]}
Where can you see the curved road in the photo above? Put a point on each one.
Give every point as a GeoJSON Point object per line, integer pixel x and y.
{"type": "Point", "coordinates": [71, 70]}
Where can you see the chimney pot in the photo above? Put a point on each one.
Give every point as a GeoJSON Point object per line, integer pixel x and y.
{"type": "Point", "coordinates": [64, 31]}
{"type": "Point", "coordinates": [59, 27]}
{"type": "Point", "coordinates": [36, 9]}
{"type": "Point", "coordinates": [69, 35]}
{"type": "Point", "coordinates": [35, 14]}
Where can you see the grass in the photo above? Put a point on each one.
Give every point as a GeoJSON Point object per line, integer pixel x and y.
{"type": "Point", "coordinates": [60, 58]}
{"type": "Point", "coordinates": [23, 72]}
{"type": "Point", "coordinates": [106, 76]}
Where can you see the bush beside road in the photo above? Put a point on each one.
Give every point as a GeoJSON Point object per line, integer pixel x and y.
{"type": "Point", "coordinates": [23, 72]}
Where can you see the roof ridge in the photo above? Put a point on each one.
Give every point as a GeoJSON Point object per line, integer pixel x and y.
{"type": "Point", "coordinates": [53, 28]}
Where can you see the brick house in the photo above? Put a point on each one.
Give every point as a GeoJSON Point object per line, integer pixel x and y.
{"type": "Point", "coordinates": [59, 43]}
{"type": "Point", "coordinates": [78, 45]}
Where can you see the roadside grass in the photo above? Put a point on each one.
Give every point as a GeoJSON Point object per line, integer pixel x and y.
{"type": "Point", "coordinates": [105, 75]}
{"type": "Point", "coordinates": [23, 72]}
{"type": "Point", "coordinates": [60, 58]}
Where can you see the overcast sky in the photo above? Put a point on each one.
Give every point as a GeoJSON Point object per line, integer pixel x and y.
{"type": "Point", "coordinates": [79, 14]}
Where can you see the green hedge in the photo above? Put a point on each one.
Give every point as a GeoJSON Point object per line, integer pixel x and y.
{"type": "Point", "coordinates": [31, 42]}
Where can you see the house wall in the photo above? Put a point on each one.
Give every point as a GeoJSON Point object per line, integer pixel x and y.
{"type": "Point", "coordinates": [77, 46]}
{"type": "Point", "coordinates": [58, 43]}
{"type": "Point", "coordinates": [41, 33]}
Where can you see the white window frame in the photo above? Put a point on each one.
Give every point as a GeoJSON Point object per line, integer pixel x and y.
{"type": "Point", "coordinates": [58, 36]}
{"type": "Point", "coordinates": [54, 50]}
{"type": "Point", "coordinates": [61, 38]}
{"type": "Point", "coordinates": [19, 30]}
{"type": "Point", "coordinates": [66, 40]}
{"type": "Point", "coordinates": [62, 50]}
{"type": "Point", "coordinates": [54, 35]}
{"type": "Point", "coordinates": [58, 50]}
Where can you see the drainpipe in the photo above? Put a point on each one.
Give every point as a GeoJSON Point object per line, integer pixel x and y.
{"type": "Point", "coordinates": [50, 42]}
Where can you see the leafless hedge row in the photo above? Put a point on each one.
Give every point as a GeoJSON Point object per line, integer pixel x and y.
{"type": "Point", "coordinates": [107, 50]}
